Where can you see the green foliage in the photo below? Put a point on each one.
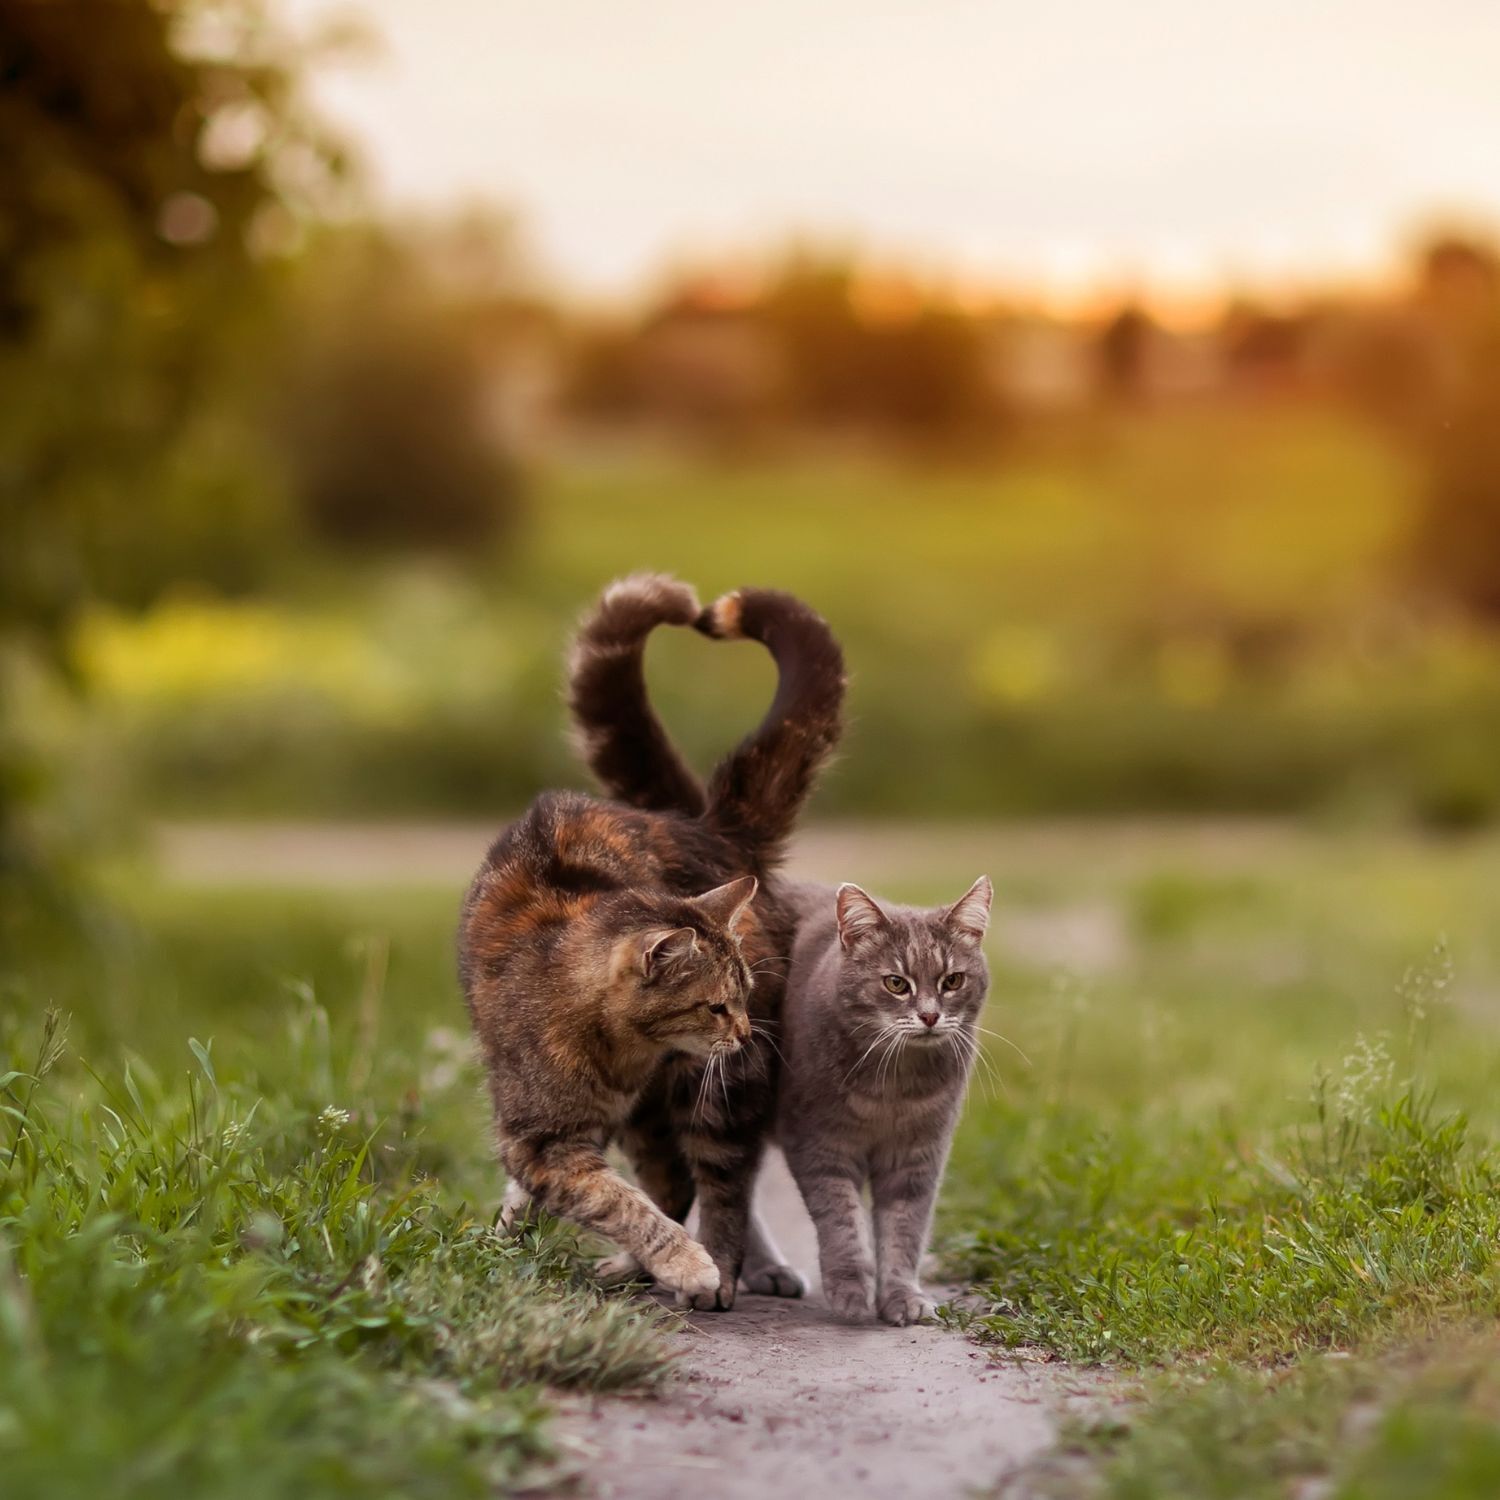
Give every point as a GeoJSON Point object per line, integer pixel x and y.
{"type": "Point", "coordinates": [1415, 1423]}
{"type": "Point", "coordinates": [387, 412]}
{"type": "Point", "coordinates": [1134, 632]}
{"type": "Point", "coordinates": [1115, 1248]}
{"type": "Point", "coordinates": [225, 1281]}
{"type": "Point", "coordinates": [142, 146]}
{"type": "Point", "coordinates": [1291, 1257]}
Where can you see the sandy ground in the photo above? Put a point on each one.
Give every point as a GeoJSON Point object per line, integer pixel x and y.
{"type": "Point", "coordinates": [778, 1398]}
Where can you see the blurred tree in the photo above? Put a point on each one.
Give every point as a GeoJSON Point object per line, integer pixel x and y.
{"type": "Point", "coordinates": [150, 152]}
{"type": "Point", "coordinates": [398, 404]}
{"type": "Point", "coordinates": [1457, 542]}
{"type": "Point", "coordinates": [1124, 354]}
{"type": "Point", "coordinates": [1455, 420]}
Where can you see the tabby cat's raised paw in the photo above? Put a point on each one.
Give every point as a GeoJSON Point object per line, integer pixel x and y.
{"type": "Point", "coordinates": [720, 1299]}
{"type": "Point", "coordinates": [689, 1271]}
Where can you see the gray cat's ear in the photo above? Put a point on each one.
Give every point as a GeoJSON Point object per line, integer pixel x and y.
{"type": "Point", "coordinates": [858, 915]}
{"type": "Point", "coordinates": [969, 916]}
{"type": "Point", "coordinates": [660, 948]}
{"type": "Point", "coordinates": [726, 904]}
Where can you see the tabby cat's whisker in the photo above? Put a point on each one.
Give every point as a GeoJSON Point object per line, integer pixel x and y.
{"type": "Point", "coordinates": [770, 1041]}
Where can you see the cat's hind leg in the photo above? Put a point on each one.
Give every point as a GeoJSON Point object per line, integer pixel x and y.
{"type": "Point", "coordinates": [766, 1271]}
{"type": "Point", "coordinates": [516, 1207]}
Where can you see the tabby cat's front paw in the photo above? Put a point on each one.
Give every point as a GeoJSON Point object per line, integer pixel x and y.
{"type": "Point", "coordinates": [848, 1296]}
{"type": "Point", "coordinates": [775, 1281]}
{"type": "Point", "coordinates": [689, 1271]}
{"type": "Point", "coordinates": [720, 1299]}
{"type": "Point", "coordinates": [620, 1269]}
{"type": "Point", "coordinates": [901, 1305]}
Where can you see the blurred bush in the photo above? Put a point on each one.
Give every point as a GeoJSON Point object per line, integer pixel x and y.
{"type": "Point", "coordinates": [390, 408]}
{"type": "Point", "coordinates": [1032, 640]}
{"type": "Point", "coordinates": [149, 152]}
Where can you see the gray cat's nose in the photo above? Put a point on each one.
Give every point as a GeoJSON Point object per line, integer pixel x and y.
{"type": "Point", "coordinates": [930, 1017]}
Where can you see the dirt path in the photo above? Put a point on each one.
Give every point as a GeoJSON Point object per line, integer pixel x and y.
{"type": "Point", "coordinates": [778, 1398]}
{"type": "Point", "coordinates": [877, 853]}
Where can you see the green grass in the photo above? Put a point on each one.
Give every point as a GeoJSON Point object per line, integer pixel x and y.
{"type": "Point", "coordinates": [1257, 1156]}
{"type": "Point", "coordinates": [1249, 1165]}
{"type": "Point", "coordinates": [245, 1265]}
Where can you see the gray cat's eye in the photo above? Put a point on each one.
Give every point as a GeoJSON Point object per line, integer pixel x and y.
{"type": "Point", "coordinates": [952, 982]}
{"type": "Point", "coordinates": [898, 984]}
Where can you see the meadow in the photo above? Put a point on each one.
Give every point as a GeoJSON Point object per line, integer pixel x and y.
{"type": "Point", "coordinates": [1233, 1138]}
{"type": "Point", "coordinates": [1200, 610]}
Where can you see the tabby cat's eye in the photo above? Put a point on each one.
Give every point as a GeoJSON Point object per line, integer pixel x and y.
{"type": "Point", "coordinates": [718, 1009]}
{"type": "Point", "coordinates": [898, 984]}
{"type": "Point", "coordinates": [951, 982]}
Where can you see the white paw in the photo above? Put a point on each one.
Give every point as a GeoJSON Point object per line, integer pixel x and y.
{"type": "Point", "coordinates": [901, 1306]}
{"type": "Point", "coordinates": [848, 1296]}
{"type": "Point", "coordinates": [617, 1270]}
{"type": "Point", "coordinates": [775, 1281]}
{"type": "Point", "coordinates": [719, 1299]}
{"type": "Point", "coordinates": [515, 1209]}
{"type": "Point", "coordinates": [689, 1271]}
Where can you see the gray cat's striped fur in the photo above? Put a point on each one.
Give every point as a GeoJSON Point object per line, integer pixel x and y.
{"type": "Point", "coordinates": [879, 1033]}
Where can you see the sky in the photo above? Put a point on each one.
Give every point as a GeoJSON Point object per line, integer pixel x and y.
{"type": "Point", "coordinates": [1166, 147]}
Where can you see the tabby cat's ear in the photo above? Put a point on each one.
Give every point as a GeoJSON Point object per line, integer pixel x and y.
{"type": "Point", "coordinates": [969, 916]}
{"type": "Point", "coordinates": [660, 948]}
{"type": "Point", "coordinates": [858, 915]}
{"type": "Point", "coordinates": [726, 904]}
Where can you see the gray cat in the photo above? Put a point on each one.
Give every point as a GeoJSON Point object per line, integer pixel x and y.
{"type": "Point", "coordinates": [882, 1006]}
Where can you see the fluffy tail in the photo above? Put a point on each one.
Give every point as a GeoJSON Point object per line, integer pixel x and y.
{"type": "Point", "coordinates": [757, 791]}
{"type": "Point", "coordinates": [619, 735]}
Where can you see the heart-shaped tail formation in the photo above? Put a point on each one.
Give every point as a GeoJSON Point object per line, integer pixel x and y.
{"type": "Point", "coordinates": [755, 793]}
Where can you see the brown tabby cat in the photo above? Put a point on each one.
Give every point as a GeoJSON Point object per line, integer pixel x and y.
{"type": "Point", "coordinates": [610, 998]}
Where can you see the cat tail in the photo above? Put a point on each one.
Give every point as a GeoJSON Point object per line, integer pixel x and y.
{"type": "Point", "coordinates": [756, 792]}
{"type": "Point", "coordinates": [615, 728]}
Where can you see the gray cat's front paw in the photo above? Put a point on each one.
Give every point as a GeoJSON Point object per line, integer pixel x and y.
{"type": "Point", "coordinates": [849, 1296]}
{"type": "Point", "coordinates": [775, 1281]}
{"type": "Point", "coordinates": [902, 1305]}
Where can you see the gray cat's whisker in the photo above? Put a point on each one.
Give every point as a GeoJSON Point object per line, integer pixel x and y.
{"type": "Point", "coordinates": [885, 1031]}
{"type": "Point", "coordinates": [988, 1072]}
{"type": "Point", "coordinates": [997, 1036]}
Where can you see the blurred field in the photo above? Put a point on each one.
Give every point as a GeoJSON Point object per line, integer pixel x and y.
{"type": "Point", "coordinates": [1183, 614]}
{"type": "Point", "coordinates": [1171, 595]}
{"type": "Point", "coordinates": [1204, 1150]}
